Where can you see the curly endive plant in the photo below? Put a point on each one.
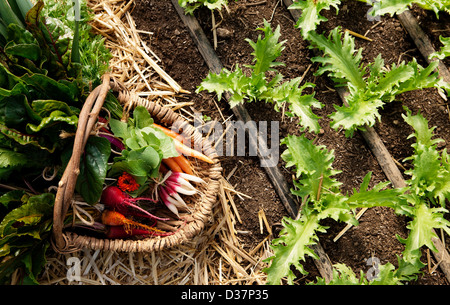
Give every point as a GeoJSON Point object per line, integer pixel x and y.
{"type": "Point", "coordinates": [370, 86]}
{"type": "Point", "coordinates": [422, 201]}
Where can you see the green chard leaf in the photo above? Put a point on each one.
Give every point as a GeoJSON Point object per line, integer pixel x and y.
{"type": "Point", "coordinates": [93, 169]}
{"type": "Point", "coordinates": [24, 236]}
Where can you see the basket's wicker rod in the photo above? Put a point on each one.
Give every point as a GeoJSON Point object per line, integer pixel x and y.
{"type": "Point", "coordinates": [66, 186]}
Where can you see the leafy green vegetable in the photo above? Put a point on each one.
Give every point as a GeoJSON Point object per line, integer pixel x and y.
{"type": "Point", "coordinates": [41, 89]}
{"type": "Point", "coordinates": [93, 169]}
{"type": "Point", "coordinates": [257, 86]}
{"type": "Point", "coordinates": [398, 6]}
{"type": "Point", "coordinates": [445, 50]}
{"type": "Point", "coordinates": [370, 86]}
{"type": "Point", "coordinates": [310, 16]}
{"type": "Point", "coordinates": [145, 146]}
{"type": "Point", "coordinates": [321, 198]}
{"type": "Point", "coordinates": [343, 275]}
{"type": "Point", "coordinates": [43, 86]}
{"type": "Point", "coordinates": [93, 55]}
{"type": "Point", "coordinates": [430, 175]}
{"type": "Point", "coordinates": [24, 233]}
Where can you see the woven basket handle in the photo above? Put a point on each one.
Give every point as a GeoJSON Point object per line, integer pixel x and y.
{"type": "Point", "coordinates": [66, 186]}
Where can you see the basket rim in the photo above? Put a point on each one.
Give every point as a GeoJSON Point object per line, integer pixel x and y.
{"type": "Point", "coordinates": [68, 242]}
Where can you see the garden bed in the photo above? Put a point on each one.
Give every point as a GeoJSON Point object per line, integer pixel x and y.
{"type": "Point", "coordinates": [376, 234]}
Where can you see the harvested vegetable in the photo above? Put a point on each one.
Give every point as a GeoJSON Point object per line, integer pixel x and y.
{"type": "Point", "coordinates": [115, 199]}
{"type": "Point", "coordinates": [181, 148]}
{"type": "Point", "coordinates": [114, 218]}
{"type": "Point", "coordinates": [169, 132]}
{"type": "Point", "coordinates": [172, 164]}
{"type": "Point", "coordinates": [184, 164]}
{"type": "Point", "coordinates": [173, 184]}
{"type": "Point", "coordinates": [118, 232]}
{"type": "Point", "coordinates": [187, 151]}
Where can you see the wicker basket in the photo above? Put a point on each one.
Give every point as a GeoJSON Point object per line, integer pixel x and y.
{"type": "Point", "coordinates": [66, 242]}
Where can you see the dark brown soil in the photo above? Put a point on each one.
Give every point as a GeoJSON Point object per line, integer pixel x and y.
{"type": "Point", "coordinates": [376, 234]}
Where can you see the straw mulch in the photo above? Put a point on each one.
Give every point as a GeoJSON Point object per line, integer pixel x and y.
{"type": "Point", "coordinates": [216, 256]}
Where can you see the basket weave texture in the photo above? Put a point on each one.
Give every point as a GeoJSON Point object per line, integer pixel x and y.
{"type": "Point", "coordinates": [65, 241]}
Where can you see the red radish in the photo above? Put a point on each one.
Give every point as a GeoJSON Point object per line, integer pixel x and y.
{"type": "Point", "coordinates": [121, 202]}
{"type": "Point", "coordinates": [174, 183]}
{"type": "Point", "coordinates": [168, 202]}
{"type": "Point", "coordinates": [177, 200]}
{"type": "Point", "coordinates": [115, 232]}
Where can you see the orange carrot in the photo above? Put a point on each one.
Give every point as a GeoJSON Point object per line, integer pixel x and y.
{"type": "Point", "coordinates": [181, 148]}
{"type": "Point", "coordinates": [168, 132]}
{"type": "Point", "coordinates": [113, 218]}
{"type": "Point", "coordinates": [184, 164]}
{"type": "Point", "coordinates": [187, 151]}
{"type": "Point", "coordinates": [172, 164]}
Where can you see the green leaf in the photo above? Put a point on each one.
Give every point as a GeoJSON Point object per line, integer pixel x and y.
{"type": "Point", "coordinates": [358, 113]}
{"type": "Point", "coordinates": [445, 49]}
{"type": "Point", "coordinates": [7, 79]}
{"type": "Point", "coordinates": [9, 158]}
{"type": "Point", "coordinates": [93, 169]}
{"type": "Point", "coordinates": [379, 195]}
{"type": "Point", "coordinates": [343, 275]}
{"type": "Point", "coordinates": [367, 94]}
{"type": "Point", "coordinates": [399, 6]}
{"type": "Point", "coordinates": [52, 89]}
{"type": "Point", "coordinates": [45, 108]}
{"type": "Point", "coordinates": [24, 236]}
{"type": "Point", "coordinates": [310, 16]}
{"type": "Point", "coordinates": [292, 247]}
{"type": "Point", "coordinates": [22, 43]}
{"type": "Point", "coordinates": [341, 60]}
{"type": "Point", "coordinates": [430, 175]}
{"type": "Point", "coordinates": [49, 122]}
{"type": "Point", "coordinates": [141, 117]}
{"type": "Point", "coordinates": [421, 230]}
{"type": "Point", "coordinates": [28, 215]}
{"type": "Point", "coordinates": [299, 104]}
{"type": "Point", "coordinates": [312, 163]}
{"type": "Point", "coordinates": [266, 49]}
{"type": "Point", "coordinates": [11, 196]}
{"type": "Point", "coordinates": [119, 128]}
{"type": "Point", "coordinates": [191, 5]}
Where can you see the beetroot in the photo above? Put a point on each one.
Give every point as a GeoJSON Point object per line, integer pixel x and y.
{"type": "Point", "coordinates": [123, 203]}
